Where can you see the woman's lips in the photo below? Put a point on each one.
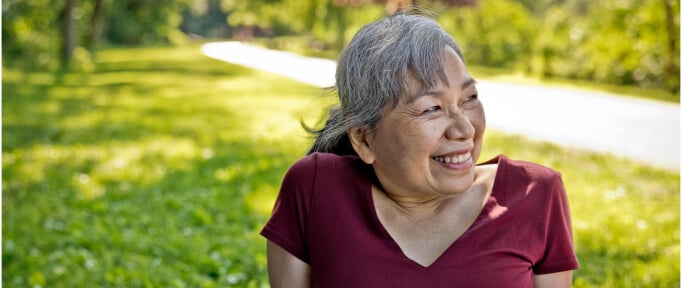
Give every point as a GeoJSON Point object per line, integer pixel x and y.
{"type": "Point", "coordinates": [454, 159]}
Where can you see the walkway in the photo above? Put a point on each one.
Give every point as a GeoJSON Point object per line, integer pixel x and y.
{"type": "Point", "coordinates": [642, 130]}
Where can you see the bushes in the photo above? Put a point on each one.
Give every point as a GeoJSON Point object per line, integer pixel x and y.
{"type": "Point", "coordinates": [620, 42]}
{"type": "Point", "coordinates": [497, 33]}
{"type": "Point", "coordinates": [626, 42]}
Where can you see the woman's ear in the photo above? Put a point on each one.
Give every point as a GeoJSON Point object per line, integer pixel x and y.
{"type": "Point", "coordinates": [360, 138]}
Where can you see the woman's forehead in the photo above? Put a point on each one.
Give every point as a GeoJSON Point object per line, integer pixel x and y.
{"type": "Point", "coordinates": [415, 86]}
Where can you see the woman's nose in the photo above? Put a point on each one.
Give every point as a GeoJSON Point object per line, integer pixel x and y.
{"type": "Point", "coordinates": [460, 128]}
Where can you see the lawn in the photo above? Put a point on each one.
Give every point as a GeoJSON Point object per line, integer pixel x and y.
{"type": "Point", "coordinates": [160, 168]}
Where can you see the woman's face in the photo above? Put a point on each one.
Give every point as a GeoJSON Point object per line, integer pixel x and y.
{"type": "Point", "coordinates": [430, 142]}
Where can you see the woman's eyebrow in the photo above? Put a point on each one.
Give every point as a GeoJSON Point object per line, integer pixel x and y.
{"type": "Point", "coordinates": [468, 82]}
{"type": "Point", "coordinates": [426, 92]}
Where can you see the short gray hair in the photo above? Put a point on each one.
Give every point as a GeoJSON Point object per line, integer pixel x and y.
{"type": "Point", "coordinates": [373, 72]}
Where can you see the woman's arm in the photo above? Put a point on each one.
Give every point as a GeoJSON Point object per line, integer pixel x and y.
{"type": "Point", "coordinates": [285, 270]}
{"type": "Point", "coordinates": [559, 280]}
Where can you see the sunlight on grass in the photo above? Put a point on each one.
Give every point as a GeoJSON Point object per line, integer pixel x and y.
{"type": "Point", "coordinates": [109, 162]}
{"type": "Point", "coordinates": [160, 168]}
{"type": "Point", "coordinates": [262, 199]}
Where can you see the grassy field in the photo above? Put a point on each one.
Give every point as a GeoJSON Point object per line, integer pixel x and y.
{"type": "Point", "coordinates": [160, 168]}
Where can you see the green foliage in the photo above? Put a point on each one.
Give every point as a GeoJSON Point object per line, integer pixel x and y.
{"type": "Point", "coordinates": [615, 42]}
{"type": "Point", "coordinates": [31, 28]}
{"type": "Point", "coordinates": [326, 23]}
{"type": "Point", "coordinates": [618, 42]}
{"type": "Point", "coordinates": [29, 33]}
{"type": "Point", "coordinates": [622, 42]}
{"type": "Point", "coordinates": [283, 17]}
{"type": "Point", "coordinates": [496, 33]}
{"type": "Point", "coordinates": [135, 22]}
{"type": "Point", "coordinates": [160, 168]}
{"type": "Point", "coordinates": [206, 18]}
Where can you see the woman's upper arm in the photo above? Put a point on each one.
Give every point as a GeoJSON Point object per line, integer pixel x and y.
{"type": "Point", "coordinates": [559, 279]}
{"type": "Point", "coordinates": [285, 270]}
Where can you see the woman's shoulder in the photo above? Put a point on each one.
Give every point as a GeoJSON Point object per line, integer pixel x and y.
{"type": "Point", "coordinates": [321, 164]}
{"type": "Point", "coordinates": [326, 173]}
{"type": "Point", "coordinates": [519, 181]}
{"type": "Point", "coordinates": [523, 169]}
{"type": "Point", "coordinates": [324, 160]}
{"type": "Point", "coordinates": [525, 177]}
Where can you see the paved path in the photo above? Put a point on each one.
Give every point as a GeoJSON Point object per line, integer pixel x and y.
{"type": "Point", "coordinates": [643, 130]}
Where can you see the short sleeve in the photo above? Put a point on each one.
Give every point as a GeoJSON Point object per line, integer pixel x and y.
{"type": "Point", "coordinates": [287, 224]}
{"type": "Point", "coordinates": [559, 254]}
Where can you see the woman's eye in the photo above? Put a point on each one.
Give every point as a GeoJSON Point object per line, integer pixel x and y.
{"type": "Point", "coordinates": [432, 109]}
{"type": "Point", "coordinates": [470, 101]}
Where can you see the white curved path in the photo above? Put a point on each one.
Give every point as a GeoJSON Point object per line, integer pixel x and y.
{"type": "Point", "coordinates": [644, 130]}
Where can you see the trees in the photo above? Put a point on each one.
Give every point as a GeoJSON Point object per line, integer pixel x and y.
{"type": "Point", "coordinates": [29, 34]}
{"type": "Point", "coordinates": [68, 33]}
{"type": "Point", "coordinates": [135, 22]}
{"type": "Point", "coordinates": [36, 35]}
{"type": "Point", "coordinates": [612, 41]}
{"type": "Point", "coordinates": [622, 42]}
{"type": "Point", "coordinates": [672, 25]}
{"type": "Point", "coordinates": [94, 30]}
{"type": "Point", "coordinates": [617, 41]}
{"type": "Point", "coordinates": [493, 33]}
{"type": "Point", "coordinates": [205, 18]}
{"type": "Point", "coordinates": [327, 21]}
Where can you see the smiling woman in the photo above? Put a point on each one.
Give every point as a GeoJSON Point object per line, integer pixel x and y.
{"type": "Point", "coordinates": [436, 129]}
{"type": "Point", "coordinates": [391, 195]}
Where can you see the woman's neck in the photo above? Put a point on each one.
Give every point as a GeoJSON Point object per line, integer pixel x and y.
{"type": "Point", "coordinates": [420, 207]}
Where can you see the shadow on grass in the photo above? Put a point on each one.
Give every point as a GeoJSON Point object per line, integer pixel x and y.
{"type": "Point", "coordinates": [82, 122]}
{"type": "Point", "coordinates": [123, 100]}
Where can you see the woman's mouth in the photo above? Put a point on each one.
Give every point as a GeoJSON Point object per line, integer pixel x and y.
{"type": "Point", "coordinates": [453, 159]}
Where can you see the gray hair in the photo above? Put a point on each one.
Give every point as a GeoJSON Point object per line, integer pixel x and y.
{"type": "Point", "coordinates": [373, 72]}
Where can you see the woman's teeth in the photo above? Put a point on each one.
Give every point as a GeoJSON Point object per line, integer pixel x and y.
{"type": "Point", "coordinates": [454, 159]}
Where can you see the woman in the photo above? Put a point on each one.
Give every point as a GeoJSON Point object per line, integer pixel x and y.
{"type": "Point", "coordinates": [390, 195]}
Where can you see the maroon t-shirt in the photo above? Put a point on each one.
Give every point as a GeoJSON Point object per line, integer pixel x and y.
{"type": "Point", "coordinates": [325, 216]}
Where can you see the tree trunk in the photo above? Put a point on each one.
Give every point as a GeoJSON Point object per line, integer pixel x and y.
{"type": "Point", "coordinates": [670, 27]}
{"type": "Point", "coordinates": [68, 34]}
{"type": "Point", "coordinates": [95, 26]}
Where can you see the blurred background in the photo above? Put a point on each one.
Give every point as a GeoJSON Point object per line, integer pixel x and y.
{"type": "Point", "coordinates": [615, 41]}
{"type": "Point", "coordinates": [129, 159]}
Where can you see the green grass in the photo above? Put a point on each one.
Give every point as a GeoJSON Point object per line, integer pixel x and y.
{"type": "Point", "coordinates": [160, 168]}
